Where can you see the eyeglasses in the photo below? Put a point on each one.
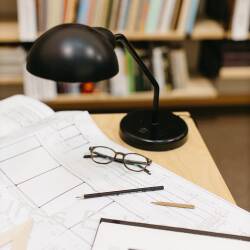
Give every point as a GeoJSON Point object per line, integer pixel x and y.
{"type": "Point", "coordinates": [132, 161]}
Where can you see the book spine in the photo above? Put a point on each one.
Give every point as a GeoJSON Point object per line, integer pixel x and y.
{"type": "Point", "coordinates": [192, 13]}
{"type": "Point", "coordinates": [241, 19]}
{"type": "Point", "coordinates": [158, 67]}
{"type": "Point", "coordinates": [166, 19]}
{"type": "Point", "coordinates": [119, 83]}
{"type": "Point", "coordinates": [27, 23]}
{"type": "Point", "coordinates": [153, 15]}
{"type": "Point", "coordinates": [82, 13]}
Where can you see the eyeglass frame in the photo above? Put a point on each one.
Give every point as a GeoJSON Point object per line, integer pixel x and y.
{"type": "Point", "coordinates": [115, 159]}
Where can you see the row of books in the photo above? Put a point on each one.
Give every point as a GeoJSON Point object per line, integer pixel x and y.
{"type": "Point", "coordinates": [157, 16]}
{"type": "Point", "coordinates": [169, 66]}
{"type": "Point", "coordinates": [11, 61]}
{"type": "Point", "coordinates": [146, 16]}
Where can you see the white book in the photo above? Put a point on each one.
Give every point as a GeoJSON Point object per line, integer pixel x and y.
{"type": "Point", "coordinates": [240, 21]}
{"type": "Point", "coordinates": [179, 68]}
{"type": "Point", "coordinates": [38, 88]}
{"type": "Point", "coordinates": [27, 23]}
{"type": "Point", "coordinates": [55, 11]}
{"type": "Point", "coordinates": [119, 85]}
{"type": "Point", "coordinates": [167, 16]}
{"type": "Point", "coordinates": [158, 67]}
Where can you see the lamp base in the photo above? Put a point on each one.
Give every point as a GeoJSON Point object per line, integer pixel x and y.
{"type": "Point", "coordinates": [137, 130]}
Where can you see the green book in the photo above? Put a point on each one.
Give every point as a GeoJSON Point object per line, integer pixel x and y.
{"type": "Point", "coordinates": [130, 71]}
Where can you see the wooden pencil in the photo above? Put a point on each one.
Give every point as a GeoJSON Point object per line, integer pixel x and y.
{"type": "Point", "coordinates": [173, 204]}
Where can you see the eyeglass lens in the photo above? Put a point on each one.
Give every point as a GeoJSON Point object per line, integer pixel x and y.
{"type": "Point", "coordinates": [102, 155]}
{"type": "Point", "coordinates": [135, 162]}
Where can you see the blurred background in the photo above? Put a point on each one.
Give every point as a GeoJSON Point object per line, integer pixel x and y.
{"type": "Point", "coordinates": [198, 50]}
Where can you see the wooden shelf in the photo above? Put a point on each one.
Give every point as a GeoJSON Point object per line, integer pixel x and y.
{"type": "Point", "coordinates": [204, 29]}
{"type": "Point", "coordinates": [208, 29]}
{"type": "Point", "coordinates": [11, 81]}
{"type": "Point", "coordinates": [106, 102]}
{"type": "Point", "coordinates": [199, 93]}
{"type": "Point", "coordinates": [9, 32]}
{"type": "Point", "coordinates": [197, 88]}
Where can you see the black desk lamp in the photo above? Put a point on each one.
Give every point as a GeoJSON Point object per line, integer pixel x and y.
{"type": "Point", "coordinates": [79, 53]}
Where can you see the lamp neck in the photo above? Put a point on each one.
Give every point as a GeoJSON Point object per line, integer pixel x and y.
{"type": "Point", "coordinates": [123, 40]}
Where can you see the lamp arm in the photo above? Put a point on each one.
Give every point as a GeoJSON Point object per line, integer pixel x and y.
{"type": "Point", "coordinates": [123, 40]}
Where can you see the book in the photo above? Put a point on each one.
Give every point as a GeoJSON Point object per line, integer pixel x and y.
{"type": "Point", "coordinates": [123, 15]}
{"type": "Point", "coordinates": [70, 15]}
{"type": "Point", "coordinates": [158, 66]}
{"type": "Point", "coordinates": [241, 20]}
{"type": "Point", "coordinates": [233, 80]}
{"type": "Point", "coordinates": [176, 13]}
{"type": "Point", "coordinates": [99, 13]}
{"type": "Point", "coordinates": [182, 20]}
{"type": "Point", "coordinates": [179, 68]}
{"type": "Point", "coordinates": [192, 13]}
{"type": "Point", "coordinates": [130, 68]}
{"type": "Point", "coordinates": [27, 22]}
{"type": "Point", "coordinates": [119, 85]}
{"type": "Point", "coordinates": [167, 16]}
{"type": "Point", "coordinates": [55, 13]}
{"type": "Point", "coordinates": [143, 16]}
{"type": "Point", "coordinates": [82, 12]}
{"type": "Point", "coordinates": [11, 61]}
{"type": "Point", "coordinates": [232, 87]}
{"type": "Point", "coordinates": [153, 15]}
{"type": "Point", "coordinates": [133, 15]}
{"type": "Point", "coordinates": [38, 88]}
{"type": "Point", "coordinates": [41, 15]}
{"type": "Point", "coordinates": [114, 14]}
{"type": "Point", "coordinates": [104, 17]}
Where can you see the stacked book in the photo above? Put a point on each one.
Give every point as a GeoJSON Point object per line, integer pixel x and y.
{"type": "Point", "coordinates": [12, 69]}
{"type": "Point", "coordinates": [11, 61]}
{"type": "Point", "coordinates": [234, 75]}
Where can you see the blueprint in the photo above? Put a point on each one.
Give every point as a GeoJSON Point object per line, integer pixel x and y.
{"type": "Point", "coordinates": [42, 170]}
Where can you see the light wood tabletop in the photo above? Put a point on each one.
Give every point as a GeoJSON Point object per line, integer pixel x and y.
{"type": "Point", "coordinates": [191, 161]}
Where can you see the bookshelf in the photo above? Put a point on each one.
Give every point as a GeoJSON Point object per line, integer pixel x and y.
{"type": "Point", "coordinates": [203, 30]}
{"type": "Point", "coordinates": [204, 95]}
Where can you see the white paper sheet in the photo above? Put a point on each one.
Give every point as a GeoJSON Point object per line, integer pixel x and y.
{"type": "Point", "coordinates": [19, 111]}
{"type": "Point", "coordinates": [46, 192]}
{"type": "Point", "coordinates": [123, 237]}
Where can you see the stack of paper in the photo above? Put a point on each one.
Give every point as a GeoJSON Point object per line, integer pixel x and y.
{"type": "Point", "coordinates": [42, 170]}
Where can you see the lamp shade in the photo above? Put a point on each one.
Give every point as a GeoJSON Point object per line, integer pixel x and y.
{"type": "Point", "coordinates": [73, 53]}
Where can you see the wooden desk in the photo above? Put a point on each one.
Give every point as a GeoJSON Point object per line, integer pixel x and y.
{"type": "Point", "coordinates": [191, 161]}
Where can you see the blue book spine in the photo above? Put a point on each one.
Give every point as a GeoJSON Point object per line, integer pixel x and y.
{"type": "Point", "coordinates": [82, 13]}
{"type": "Point", "coordinates": [192, 16]}
{"type": "Point", "coordinates": [153, 15]}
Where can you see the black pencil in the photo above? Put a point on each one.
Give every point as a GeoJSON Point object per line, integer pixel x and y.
{"type": "Point", "coordinates": [125, 191]}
